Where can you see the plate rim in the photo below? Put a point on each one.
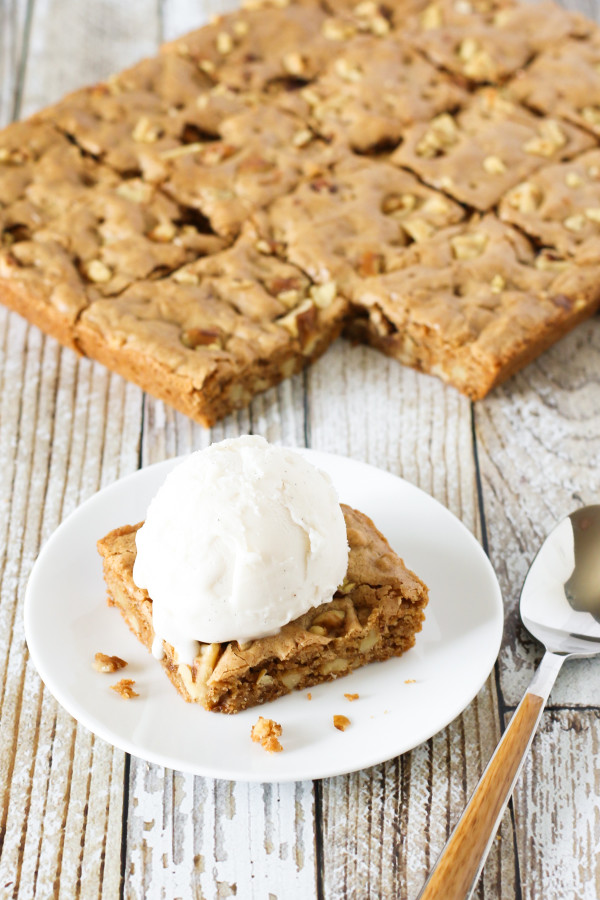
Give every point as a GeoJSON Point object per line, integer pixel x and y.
{"type": "Point", "coordinates": [97, 727]}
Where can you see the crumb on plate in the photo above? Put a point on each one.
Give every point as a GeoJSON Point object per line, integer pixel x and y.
{"type": "Point", "coordinates": [309, 696]}
{"type": "Point", "coordinates": [351, 697]}
{"type": "Point", "coordinates": [341, 722]}
{"type": "Point", "coordinates": [410, 681]}
{"type": "Point", "coordinates": [265, 732]}
{"type": "Point", "coordinates": [105, 663]}
{"type": "Point", "coordinates": [124, 688]}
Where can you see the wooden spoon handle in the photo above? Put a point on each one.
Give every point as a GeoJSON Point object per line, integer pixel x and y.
{"type": "Point", "coordinates": [457, 869]}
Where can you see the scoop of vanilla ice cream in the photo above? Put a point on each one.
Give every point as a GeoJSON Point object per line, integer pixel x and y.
{"type": "Point", "coordinates": [240, 539]}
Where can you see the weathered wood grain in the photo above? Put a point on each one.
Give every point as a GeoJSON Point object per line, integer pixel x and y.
{"type": "Point", "coordinates": [14, 19]}
{"type": "Point", "coordinates": [196, 837]}
{"type": "Point", "coordinates": [539, 450]}
{"type": "Point", "coordinates": [179, 16]}
{"type": "Point", "coordinates": [53, 453]}
{"type": "Point", "coordinates": [557, 809]}
{"type": "Point", "coordinates": [382, 829]}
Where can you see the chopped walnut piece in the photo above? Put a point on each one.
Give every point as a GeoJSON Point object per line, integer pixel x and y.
{"type": "Point", "coordinates": [573, 180]}
{"type": "Point", "coordinates": [12, 157]}
{"type": "Point", "coordinates": [324, 294]}
{"type": "Point", "coordinates": [431, 17]}
{"type": "Point", "coordinates": [341, 722]}
{"type": "Point", "coordinates": [265, 732]}
{"type": "Point", "coordinates": [163, 233]}
{"type": "Point", "coordinates": [575, 223]}
{"type": "Point", "coordinates": [331, 618]}
{"type": "Point", "coordinates": [351, 697]}
{"type": "Point", "coordinates": [294, 63]}
{"type": "Point", "coordinates": [336, 30]}
{"type": "Point", "coordinates": [549, 139]}
{"type": "Point", "coordinates": [124, 688]}
{"type": "Point", "coordinates": [468, 246]}
{"type": "Point", "coordinates": [224, 43]}
{"type": "Point", "coordinates": [201, 337]}
{"type": "Point", "coordinates": [525, 197]}
{"type": "Point", "coordinates": [97, 272]}
{"type": "Point", "coordinates": [145, 132]}
{"type": "Point", "coordinates": [442, 133]}
{"type": "Point", "coordinates": [497, 284]}
{"type": "Point", "coordinates": [493, 165]}
{"type": "Point", "coordinates": [105, 663]}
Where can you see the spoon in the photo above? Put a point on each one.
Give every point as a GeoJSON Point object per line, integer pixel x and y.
{"type": "Point", "coordinates": [560, 606]}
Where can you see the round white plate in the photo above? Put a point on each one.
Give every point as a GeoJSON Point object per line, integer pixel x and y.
{"type": "Point", "coordinates": [402, 701]}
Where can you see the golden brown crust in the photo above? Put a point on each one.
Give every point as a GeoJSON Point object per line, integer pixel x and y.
{"type": "Point", "coordinates": [373, 616]}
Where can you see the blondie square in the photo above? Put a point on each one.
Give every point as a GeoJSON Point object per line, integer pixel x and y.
{"type": "Point", "coordinates": [486, 148]}
{"type": "Point", "coordinates": [374, 615]}
{"type": "Point", "coordinates": [475, 303]}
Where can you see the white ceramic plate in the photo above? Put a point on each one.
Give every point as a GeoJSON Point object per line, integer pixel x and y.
{"type": "Point", "coordinates": [402, 701]}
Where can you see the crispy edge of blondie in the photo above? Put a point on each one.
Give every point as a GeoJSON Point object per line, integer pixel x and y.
{"type": "Point", "coordinates": [218, 395]}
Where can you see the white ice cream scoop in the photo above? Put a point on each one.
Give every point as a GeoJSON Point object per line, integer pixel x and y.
{"type": "Point", "coordinates": [240, 539]}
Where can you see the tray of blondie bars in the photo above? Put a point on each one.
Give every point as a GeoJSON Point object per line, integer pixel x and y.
{"type": "Point", "coordinates": [420, 176]}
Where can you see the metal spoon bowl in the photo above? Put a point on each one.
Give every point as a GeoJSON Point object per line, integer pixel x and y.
{"type": "Point", "coordinates": [560, 606]}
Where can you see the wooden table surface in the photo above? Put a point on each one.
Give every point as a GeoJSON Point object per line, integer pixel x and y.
{"type": "Point", "coordinates": [81, 819]}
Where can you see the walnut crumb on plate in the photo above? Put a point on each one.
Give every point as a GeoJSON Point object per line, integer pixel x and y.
{"type": "Point", "coordinates": [105, 663]}
{"type": "Point", "coordinates": [124, 688]}
{"type": "Point", "coordinates": [265, 732]}
{"type": "Point", "coordinates": [341, 722]}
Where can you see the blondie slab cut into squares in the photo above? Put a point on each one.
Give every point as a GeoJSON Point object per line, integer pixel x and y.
{"type": "Point", "coordinates": [374, 615]}
{"type": "Point", "coordinates": [120, 203]}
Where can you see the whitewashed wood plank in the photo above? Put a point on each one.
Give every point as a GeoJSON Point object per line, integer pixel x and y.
{"type": "Point", "coordinates": [539, 449]}
{"type": "Point", "coordinates": [213, 839]}
{"type": "Point", "coordinates": [180, 16]}
{"type": "Point", "coordinates": [13, 41]}
{"type": "Point", "coordinates": [73, 44]}
{"type": "Point", "coordinates": [364, 405]}
{"type": "Point", "coordinates": [50, 472]}
{"type": "Point", "coordinates": [557, 809]}
{"type": "Point", "coordinates": [383, 828]}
